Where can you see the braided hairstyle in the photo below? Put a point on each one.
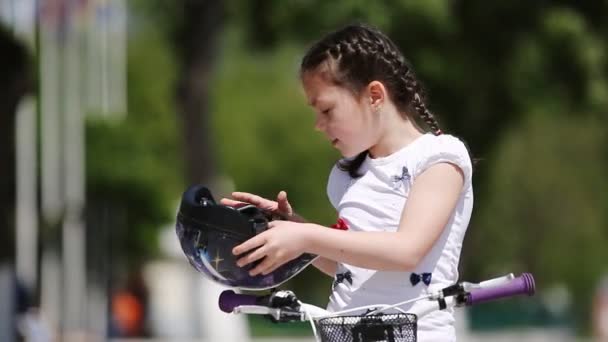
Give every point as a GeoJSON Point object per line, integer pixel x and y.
{"type": "Point", "coordinates": [358, 54]}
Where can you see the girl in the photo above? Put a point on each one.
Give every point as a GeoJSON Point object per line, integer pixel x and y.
{"type": "Point", "coordinates": [403, 196]}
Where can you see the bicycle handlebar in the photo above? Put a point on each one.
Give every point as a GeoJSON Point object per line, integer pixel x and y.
{"type": "Point", "coordinates": [284, 300]}
{"type": "Point", "coordinates": [523, 284]}
{"type": "Point", "coordinates": [230, 300]}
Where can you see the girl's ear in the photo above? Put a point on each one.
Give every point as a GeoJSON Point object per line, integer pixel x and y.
{"type": "Point", "coordinates": [376, 94]}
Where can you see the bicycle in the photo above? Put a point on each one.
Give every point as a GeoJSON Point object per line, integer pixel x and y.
{"type": "Point", "coordinates": [374, 325]}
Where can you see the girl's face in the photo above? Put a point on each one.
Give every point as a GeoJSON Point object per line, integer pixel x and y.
{"type": "Point", "coordinates": [350, 123]}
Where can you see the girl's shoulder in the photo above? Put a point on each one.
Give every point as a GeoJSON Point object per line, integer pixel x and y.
{"type": "Point", "coordinates": [444, 143]}
{"type": "Point", "coordinates": [444, 148]}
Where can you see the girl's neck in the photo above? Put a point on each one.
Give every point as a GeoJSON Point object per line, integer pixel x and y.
{"type": "Point", "coordinates": [397, 134]}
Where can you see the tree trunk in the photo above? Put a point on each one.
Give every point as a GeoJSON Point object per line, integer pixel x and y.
{"type": "Point", "coordinates": [16, 82]}
{"type": "Point", "coordinates": [197, 45]}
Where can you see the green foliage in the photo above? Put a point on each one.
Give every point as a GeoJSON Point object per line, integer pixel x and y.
{"type": "Point", "coordinates": [543, 212]}
{"type": "Point", "coordinates": [268, 24]}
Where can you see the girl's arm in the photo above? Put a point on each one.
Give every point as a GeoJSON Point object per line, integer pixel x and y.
{"type": "Point", "coordinates": [431, 202]}
{"type": "Point", "coordinates": [326, 266]}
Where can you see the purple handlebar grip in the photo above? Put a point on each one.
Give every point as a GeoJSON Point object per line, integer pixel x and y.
{"type": "Point", "coordinates": [229, 300]}
{"type": "Point", "coordinates": [523, 284]}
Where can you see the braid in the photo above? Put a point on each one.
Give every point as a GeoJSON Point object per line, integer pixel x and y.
{"type": "Point", "coordinates": [425, 114]}
{"type": "Point", "coordinates": [416, 94]}
{"type": "Point", "coordinates": [387, 55]}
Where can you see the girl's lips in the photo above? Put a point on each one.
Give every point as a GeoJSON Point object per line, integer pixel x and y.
{"type": "Point", "coordinates": [334, 142]}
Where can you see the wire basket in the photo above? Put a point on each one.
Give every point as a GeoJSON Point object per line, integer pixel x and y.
{"type": "Point", "coordinates": [399, 327]}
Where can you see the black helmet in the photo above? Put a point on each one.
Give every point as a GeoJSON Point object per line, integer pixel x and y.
{"type": "Point", "coordinates": [208, 232]}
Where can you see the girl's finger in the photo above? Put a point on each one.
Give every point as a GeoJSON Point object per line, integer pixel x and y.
{"type": "Point", "coordinates": [250, 198]}
{"type": "Point", "coordinates": [263, 266]}
{"type": "Point", "coordinates": [272, 268]}
{"type": "Point", "coordinates": [250, 244]}
{"type": "Point", "coordinates": [275, 223]}
{"type": "Point", "coordinates": [283, 203]}
{"type": "Point", "coordinates": [251, 257]}
{"type": "Point", "coordinates": [253, 199]}
{"type": "Point", "coordinates": [231, 203]}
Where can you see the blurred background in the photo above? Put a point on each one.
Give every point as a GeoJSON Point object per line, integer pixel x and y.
{"type": "Point", "coordinates": [110, 108]}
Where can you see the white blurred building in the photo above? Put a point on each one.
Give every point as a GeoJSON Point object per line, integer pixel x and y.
{"type": "Point", "coordinates": [184, 304]}
{"type": "Point", "coordinates": [81, 49]}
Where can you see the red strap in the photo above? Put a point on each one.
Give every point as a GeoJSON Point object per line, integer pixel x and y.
{"type": "Point", "coordinates": [341, 224]}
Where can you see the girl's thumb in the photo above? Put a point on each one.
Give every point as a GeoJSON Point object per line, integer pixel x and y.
{"type": "Point", "coordinates": [284, 205]}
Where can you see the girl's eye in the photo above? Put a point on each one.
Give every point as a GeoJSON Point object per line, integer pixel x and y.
{"type": "Point", "coordinates": [326, 111]}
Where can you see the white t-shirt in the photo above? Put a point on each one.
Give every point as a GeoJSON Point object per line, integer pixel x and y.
{"type": "Point", "coordinates": [374, 202]}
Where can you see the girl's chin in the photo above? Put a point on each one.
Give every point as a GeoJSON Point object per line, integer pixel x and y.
{"type": "Point", "coordinates": [344, 152]}
{"type": "Point", "coordinates": [348, 154]}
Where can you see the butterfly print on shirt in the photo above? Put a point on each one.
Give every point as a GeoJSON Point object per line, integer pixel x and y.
{"type": "Point", "coordinates": [398, 179]}
{"type": "Point", "coordinates": [425, 277]}
{"type": "Point", "coordinates": [341, 277]}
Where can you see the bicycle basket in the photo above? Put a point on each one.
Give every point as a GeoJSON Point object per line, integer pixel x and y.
{"type": "Point", "coordinates": [399, 327]}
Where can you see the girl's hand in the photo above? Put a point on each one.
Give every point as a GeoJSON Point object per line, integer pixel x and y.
{"type": "Point", "coordinates": [281, 206]}
{"type": "Point", "coordinates": [284, 242]}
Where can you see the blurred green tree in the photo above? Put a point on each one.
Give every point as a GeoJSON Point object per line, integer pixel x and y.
{"type": "Point", "coordinates": [195, 38]}
{"type": "Point", "coordinates": [543, 212]}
